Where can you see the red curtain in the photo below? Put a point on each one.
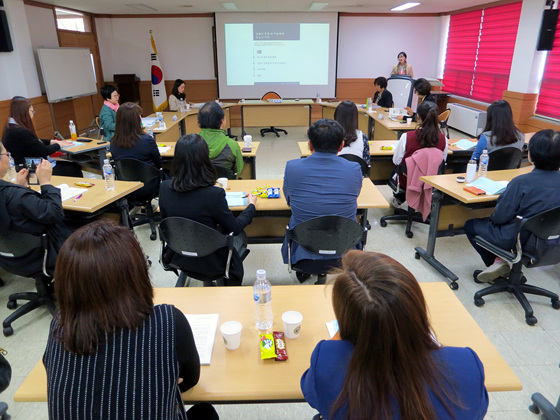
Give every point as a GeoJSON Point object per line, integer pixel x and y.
{"type": "Point", "coordinates": [479, 55]}
{"type": "Point", "coordinates": [548, 103]}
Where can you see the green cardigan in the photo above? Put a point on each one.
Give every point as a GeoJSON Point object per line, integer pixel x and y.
{"type": "Point", "coordinates": [107, 118]}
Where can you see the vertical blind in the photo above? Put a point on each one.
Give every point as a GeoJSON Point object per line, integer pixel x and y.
{"type": "Point", "coordinates": [480, 50]}
{"type": "Point", "coordinates": [548, 103]}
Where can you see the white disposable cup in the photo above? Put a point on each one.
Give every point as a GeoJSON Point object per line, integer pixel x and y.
{"type": "Point", "coordinates": [187, 106]}
{"type": "Point", "coordinates": [292, 323]}
{"type": "Point", "coordinates": [409, 120]}
{"type": "Point", "coordinates": [231, 333]}
{"type": "Point", "coordinates": [222, 182]}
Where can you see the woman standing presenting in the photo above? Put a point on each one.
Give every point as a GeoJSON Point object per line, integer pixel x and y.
{"type": "Point", "coordinates": [108, 113]}
{"type": "Point", "coordinates": [19, 136]}
{"type": "Point", "coordinates": [386, 363]}
{"type": "Point", "coordinates": [177, 93]}
{"type": "Point", "coordinates": [402, 68]}
{"type": "Point", "coordinates": [111, 353]}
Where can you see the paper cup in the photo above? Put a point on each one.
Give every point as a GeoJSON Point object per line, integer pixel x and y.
{"type": "Point", "coordinates": [222, 182]}
{"type": "Point", "coordinates": [292, 323]}
{"type": "Point", "coordinates": [409, 120]}
{"type": "Point", "coordinates": [231, 333]}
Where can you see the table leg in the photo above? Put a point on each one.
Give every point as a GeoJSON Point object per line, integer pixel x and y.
{"type": "Point", "coordinates": [122, 204]}
{"type": "Point", "coordinates": [242, 123]}
{"type": "Point", "coordinates": [309, 106]}
{"type": "Point", "coordinates": [102, 157]}
{"type": "Point", "coordinates": [364, 222]}
{"type": "Point", "coordinates": [182, 127]}
{"type": "Point", "coordinates": [428, 254]}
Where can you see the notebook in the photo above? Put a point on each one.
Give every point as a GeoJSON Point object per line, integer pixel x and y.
{"type": "Point", "coordinates": [490, 186]}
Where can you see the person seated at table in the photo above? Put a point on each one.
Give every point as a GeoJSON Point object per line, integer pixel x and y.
{"type": "Point", "coordinates": [382, 96]}
{"type": "Point", "coordinates": [27, 211]}
{"type": "Point", "coordinates": [525, 195]}
{"type": "Point", "coordinates": [225, 152]}
{"type": "Point", "coordinates": [426, 135]}
{"type": "Point", "coordinates": [402, 68]}
{"type": "Point", "coordinates": [19, 137]}
{"type": "Point", "coordinates": [192, 194]}
{"type": "Point", "coordinates": [385, 362]}
{"type": "Point", "coordinates": [422, 88]}
{"type": "Point", "coordinates": [499, 131]}
{"type": "Point", "coordinates": [355, 142]}
{"type": "Point", "coordinates": [108, 113]}
{"type": "Point", "coordinates": [130, 141]}
{"type": "Point", "coordinates": [320, 185]}
{"type": "Point", "coordinates": [110, 352]}
{"type": "Point", "coordinates": [177, 93]}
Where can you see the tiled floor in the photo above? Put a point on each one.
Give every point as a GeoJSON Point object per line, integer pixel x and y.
{"type": "Point", "coordinates": [532, 352]}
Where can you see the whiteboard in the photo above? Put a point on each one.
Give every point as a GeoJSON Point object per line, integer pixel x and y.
{"type": "Point", "coordinates": [67, 73]}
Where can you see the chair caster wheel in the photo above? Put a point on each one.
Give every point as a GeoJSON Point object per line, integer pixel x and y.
{"type": "Point", "coordinates": [12, 304]}
{"type": "Point", "coordinates": [409, 234]}
{"type": "Point", "coordinates": [8, 331]}
{"type": "Point", "coordinates": [454, 285]}
{"type": "Point", "coordinates": [531, 320]}
{"type": "Point", "coordinates": [382, 223]}
{"type": "Point", "coordinates": [478, 302]}
{"type": "Point", "coordinates": [556, 304]}
{"type": "Point", "coordinates": [417, 255]}
{"type": "Point", "coordinates": [153, 236]}
{"type": "Point", "coordinates": [534, 409]}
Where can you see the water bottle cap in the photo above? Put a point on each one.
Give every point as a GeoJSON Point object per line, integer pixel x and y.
{"type": "Point", "coordinates": [261, 274]}
{"type": "Point", "coordinates": [485, 151]}
{"type": "Point", "coordinates": [106, 161]}
{"type": "Point", "coordinates": [71, 122]}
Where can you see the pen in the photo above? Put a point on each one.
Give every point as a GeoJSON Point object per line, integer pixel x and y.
{"type": "Point", "coordinates": [78, 197]}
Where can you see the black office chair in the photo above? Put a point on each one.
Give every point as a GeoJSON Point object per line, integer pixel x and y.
{"type": "Point", "coordinates": [5, 378]}
{"type": "Point", "coordinates": [505, 158]}
{"type": "Point", "coordinates": [363, 165]}
{"type": "Point", "coordinates": [325, 235]}
{"type": "Point", "coordinates": [542, 248]}
{"type": "Point", "coordinates": [200, 252]}
{"type": "Point", "coordinates": [266, 97]}
{"type": "Point", "coordinates": [541, 404]}
{"type": "Point", "coordinates": [151, 177]}
{"type": "Point", "coordinates": [27, 255]}
{"type": "Point", "coordinates": [410, 214]}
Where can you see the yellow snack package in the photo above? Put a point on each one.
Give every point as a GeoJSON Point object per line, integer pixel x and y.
{"type": "Point", "coordinates": [268, 350]}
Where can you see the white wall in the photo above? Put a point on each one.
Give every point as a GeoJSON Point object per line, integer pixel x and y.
{"type": "Point", "coordinates": [184, 47]}
{"type": "Point", "coordinates": [42, 30]}
{"type": "Point", "coordinates": [17, 68]}
{"type": "Point", "coordinates": [368, 46]}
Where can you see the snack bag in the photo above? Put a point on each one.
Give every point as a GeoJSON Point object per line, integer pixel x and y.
{"type": "Point", "coordinates": [280, 345]}
{"type": "Point", "coordinates": [267, 346]}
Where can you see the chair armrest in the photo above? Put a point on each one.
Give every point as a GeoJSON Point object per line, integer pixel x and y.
{"type": "Point", "coordinates": [496, 250]}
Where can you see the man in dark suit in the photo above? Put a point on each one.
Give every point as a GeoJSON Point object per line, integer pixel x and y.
{"type": "Point", "coordinates": [322, 184]}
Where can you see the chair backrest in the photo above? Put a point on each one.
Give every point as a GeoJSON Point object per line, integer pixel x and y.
{"type": "Point", "coordinates": [363, 165]}
{"type": "Point", "coordinates": [543, 248]}
{"type": "Point", "coordinates": [444, 116]}
{"type": "Point", "coordinates": [24, 254]}
{"type": "Point", "coordinates": [136, 170]}
{"type": "Point", "coordinates": [222, 172]}
{"type": "Point", "coordinates": [327, 235]}
{"type": "Point", "coordinates": [270, 95]}
{"type": "Point", "coordinates": [401, 89]}
{"type": "Point", "coordinates": [505, 158]}
{"type": "Point", "coordinates": [193, 239]}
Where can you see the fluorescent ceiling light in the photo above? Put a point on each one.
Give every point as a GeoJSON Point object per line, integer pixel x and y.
{"type": "Point", "coordinates": [142, 7]}
{"type": "Point", "coordinates": [404, 6]}
{"type": "Point", "coordinates": [230, 6]}
{"type": "Point", "coordinates": [318, 6]}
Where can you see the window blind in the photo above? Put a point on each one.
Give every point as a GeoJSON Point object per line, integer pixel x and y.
{"type": "Point", "coordinates": [480, 50]}
{"type": "Point", "coordinates": [548, 102]}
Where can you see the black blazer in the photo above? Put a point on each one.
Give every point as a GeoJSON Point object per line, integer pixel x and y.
{"type": "Point", "coordinates": [22, 143]}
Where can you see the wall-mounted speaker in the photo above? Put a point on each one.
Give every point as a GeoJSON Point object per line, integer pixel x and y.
{"type": "Point", "coordinates": [548, 30]}
{"type": "Point", "coordinates": [5, 38]}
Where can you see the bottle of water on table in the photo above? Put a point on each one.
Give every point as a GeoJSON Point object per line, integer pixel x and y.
{"type": "Point", "coordinates": [262, 294]}
{"type": "Point", "coordinates": [108, 175]}
{"type": "Point", "coordinates": [483, 164]}
{"type": "Point", "coordinates": [12, 173]}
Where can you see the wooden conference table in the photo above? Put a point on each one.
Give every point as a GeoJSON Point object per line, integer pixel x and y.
{"type": "Point", "coordinates": [88, 145]}
{"type": "Point", "coordinates": [289, 112]}
{"type": "Point", "coordinates": [447, 189]}
{"type": "Point", "coordinates": [240, 376]}
{"type": "Point", "coordinates": [273, 214]}
{"type": "Point", "coordinates": [250, 158]}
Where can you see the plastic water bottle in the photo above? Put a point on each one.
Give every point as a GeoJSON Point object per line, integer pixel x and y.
{"type": "Point", "coordinates": [12, 174]}
{"type": "Point", "coordinates": [483, 164]}
{"type": "Point", "coordinates": [150, 132]}
{"type": "Point", "coordinates": [73, 133]}
{"type": "Point", "coordinates": [182, 106]}
{"type": "Point", "coordinates": [318, 98]}
{"type": "Point", "coordinates": [262, 294]}
{"type": "Point", "coordinates": [108, 175]}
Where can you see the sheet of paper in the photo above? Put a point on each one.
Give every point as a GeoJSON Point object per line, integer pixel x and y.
{"type": "Point", "coordinates": [76, 144]}
{"type": "Point", "coordinates": [332, 327]}
{"type": "Point", "coordinates": [490, 186]}
{"type": "Point", "coordinates": [236, 198]}
{"type": "Point", "coordinates": [68, 192]}
{"type": "Point", "coordinates": [148, 121]}
{"type": "Point", "coordinates": [198, 104]}
{"type": "Point", "coordinates": [464, 144]}
{"type": "Point", "coordinates": [163, 149]}
{"type": "Point", "coordinates": [204, 327]}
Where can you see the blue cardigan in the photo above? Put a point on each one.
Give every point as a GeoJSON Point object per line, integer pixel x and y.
{"type": "Point", "coordinates": [322, 382]}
